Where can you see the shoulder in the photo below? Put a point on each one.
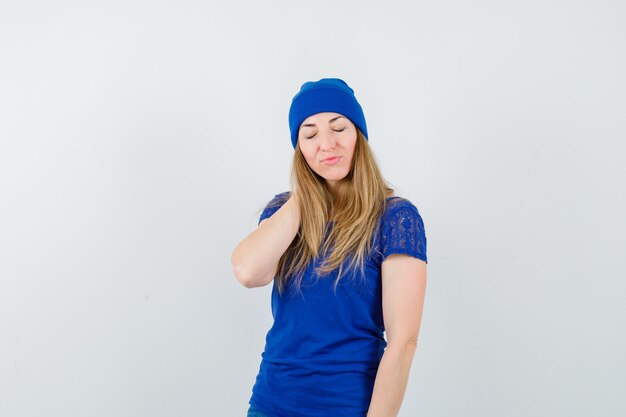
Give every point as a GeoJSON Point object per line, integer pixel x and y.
{"type": "Point", "coordinates": [279, 199]}
{"type": "Point", "coordinates": [403, 229]}
{"type": "Point", "coordinates": [401, 214]}
{"type": "Point", "coordinates": [274, 204]}
{"type": "Point", "coordinates": [396, 204]}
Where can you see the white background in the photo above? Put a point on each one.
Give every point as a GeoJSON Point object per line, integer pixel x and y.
{"type": "Point", "coordinates": [140, 140]}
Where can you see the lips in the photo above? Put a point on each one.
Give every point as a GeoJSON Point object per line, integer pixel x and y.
{"type": "Point", "coordinates": [330, 157]}
{"type": "Point", "coordinates": [333, 160]}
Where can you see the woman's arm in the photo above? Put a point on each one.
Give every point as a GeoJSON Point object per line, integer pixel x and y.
{"type": "Point", "coordinates": [255, 258]}
{"type": "Point", "coordinates": [404, 286]}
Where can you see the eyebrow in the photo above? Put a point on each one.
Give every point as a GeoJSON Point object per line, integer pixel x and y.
{"type": "Point", "coordinates": [330, 121]}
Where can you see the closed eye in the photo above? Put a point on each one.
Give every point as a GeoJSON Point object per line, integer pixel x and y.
{"type": "Point", "coordinates": [311, 137]}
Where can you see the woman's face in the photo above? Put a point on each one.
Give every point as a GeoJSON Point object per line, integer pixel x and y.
{"type": "Point", "coordinates": [328, 135]}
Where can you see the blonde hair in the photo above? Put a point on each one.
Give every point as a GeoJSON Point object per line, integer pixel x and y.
{"type": "Point", "coordinates": [356, 212]}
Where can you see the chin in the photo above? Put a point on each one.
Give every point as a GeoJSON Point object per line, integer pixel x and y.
{"type": "Point", "coordinates": [330, 174]}
{"type": "Point", "coordinates": [334, 177]}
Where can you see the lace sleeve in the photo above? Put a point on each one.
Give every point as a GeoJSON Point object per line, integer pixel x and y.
{"type": "Point", "coordinates": [273, 206]}
{"type": "Point", "coordinates": [404, 232]}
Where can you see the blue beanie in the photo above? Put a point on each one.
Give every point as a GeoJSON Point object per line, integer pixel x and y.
{"type": "Point", "coordinates": [325, 95]}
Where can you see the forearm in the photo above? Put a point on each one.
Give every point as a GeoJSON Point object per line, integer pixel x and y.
{"type": "Point", "coordinates": [391, 380]}
{"type": "Point", "coordinates": [256, 257]}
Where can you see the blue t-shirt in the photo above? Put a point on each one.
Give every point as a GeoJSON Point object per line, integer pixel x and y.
{"type": "Point", "coordinates": [323, 350]}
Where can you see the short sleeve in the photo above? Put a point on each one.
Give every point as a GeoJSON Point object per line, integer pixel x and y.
{"type": "Point", "coordinates": [273, 206]}
{"type": "Point", "coordinates": [403, 232]}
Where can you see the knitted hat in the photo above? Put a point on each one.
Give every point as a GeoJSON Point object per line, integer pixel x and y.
{"type": "Point", "coordinates": [325, 95]}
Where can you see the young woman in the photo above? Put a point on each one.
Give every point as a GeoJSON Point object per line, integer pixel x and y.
{"type": "Point", "coordinates": [348, 262]}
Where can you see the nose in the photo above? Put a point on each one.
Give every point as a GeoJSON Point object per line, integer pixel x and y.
{"type": "Point", "coordinates": [327, 141]}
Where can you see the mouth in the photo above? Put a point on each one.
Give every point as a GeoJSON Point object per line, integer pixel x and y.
{"type": "Point", "coordinates": [331, 160]}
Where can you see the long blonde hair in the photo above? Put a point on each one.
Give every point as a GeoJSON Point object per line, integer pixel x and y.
{"type": "Point", "coordinates": [356, 212]}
